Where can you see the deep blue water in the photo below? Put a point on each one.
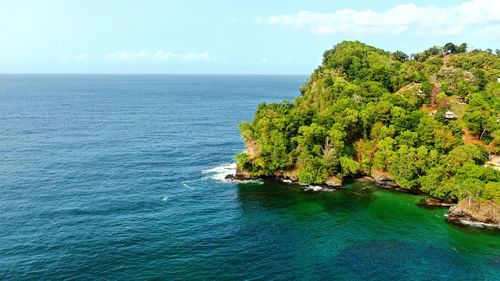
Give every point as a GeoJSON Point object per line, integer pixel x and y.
{"type": "Point", "coordinates": [118, 177]}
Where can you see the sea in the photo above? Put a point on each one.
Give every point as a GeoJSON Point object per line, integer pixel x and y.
{"type": "Point", "coordinates": [122, 177]}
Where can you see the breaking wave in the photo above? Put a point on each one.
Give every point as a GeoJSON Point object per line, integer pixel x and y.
{"type": "Point", "coordinates": [316, 188]}
{"type": "Point", "coordinates": [220, 173]}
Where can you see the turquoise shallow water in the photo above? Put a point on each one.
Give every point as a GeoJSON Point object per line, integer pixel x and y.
{"type": "Point", "coordinates": [119, 177]}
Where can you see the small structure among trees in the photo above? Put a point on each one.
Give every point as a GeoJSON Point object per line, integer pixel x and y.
{"type": "Point", "coordinates": [450, 115]}
{"type": "Point", "coordinates": [494, 162]}
{"type": "Point", "coordinates": [450, 48]}
{"type": "Point", "coordinates": [459, 100]}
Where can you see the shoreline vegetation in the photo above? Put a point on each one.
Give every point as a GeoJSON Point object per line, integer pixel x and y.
{"type": "Point", "coordinates": [426, 123]}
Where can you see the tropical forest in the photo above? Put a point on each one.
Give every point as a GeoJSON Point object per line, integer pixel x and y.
{"type": "Point", "coordinates": [427, 122]}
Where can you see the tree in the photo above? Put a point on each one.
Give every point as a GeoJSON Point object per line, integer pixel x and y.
{"type": "Point", "coordinates": [384, 154]}
{"type": "Point", "coordinates": [436, 183]}
{"type": "Point", "coordinates": [449, 48]}
{"type": "Point", "coordinates": [333, 148]}
{"type": "Point", "coordinates": [463, 154]}
{"type": "Point", "coordinates": [491, 191]}
{"type": "Point", "coordinates": [312, 169]}
{"type": "Point", "coordinates": [349, 166]}
{"type": "Point", "coordinates": [400, 56]}
{"type": "Point", "coordinates": [480, 116]}
{"type": "Point", "coordinates": [462, 48]}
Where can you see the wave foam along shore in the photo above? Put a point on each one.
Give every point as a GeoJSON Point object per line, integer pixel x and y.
{"type": "Point", "coordinates": [316, 188]}
{"type": "Point", "coordinates": [219, 173]}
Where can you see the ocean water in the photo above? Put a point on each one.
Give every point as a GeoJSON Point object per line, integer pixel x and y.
{"type": "Point", "coordinates": [122, 178]}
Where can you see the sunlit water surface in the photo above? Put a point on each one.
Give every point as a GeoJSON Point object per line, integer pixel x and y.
{"type": "Point", "coordinates": [121, 177]}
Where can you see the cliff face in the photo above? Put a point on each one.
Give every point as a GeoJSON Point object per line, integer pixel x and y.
{"type": "Point", "coordinates": [382, 179]}
{"type": "Point", "coordinates": [477, 213]}
{"type": "Point", "coordinates": [251, 146]}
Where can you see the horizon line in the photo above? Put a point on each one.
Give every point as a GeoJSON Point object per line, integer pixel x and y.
{"type": "Point", "coordinates": [153, 73]}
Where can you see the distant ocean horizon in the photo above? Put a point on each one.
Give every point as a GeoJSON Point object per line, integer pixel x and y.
{"type": "Point", "coordinates": [151, 74]}
{"type": "Point", "coordinates": [122, 176]}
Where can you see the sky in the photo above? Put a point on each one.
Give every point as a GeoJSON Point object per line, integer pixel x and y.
{"type": "Point", "coordinates": [225, 37]}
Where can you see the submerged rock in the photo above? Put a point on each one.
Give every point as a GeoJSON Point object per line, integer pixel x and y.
{"type": "Point", "coordinates": [473, 212]}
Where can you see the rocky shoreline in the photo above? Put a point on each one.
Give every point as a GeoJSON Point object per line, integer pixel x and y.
{"type": "Point", "coordinates": [432, 202]}
{"type": "Point", "coordinates": [475, 213]}
{"type": "Point", "coordinates": [289, 177]}
{"type": "Point", "coordinates": [472, 214]}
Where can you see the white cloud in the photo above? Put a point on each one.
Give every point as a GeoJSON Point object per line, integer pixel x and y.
{"type": "Point", "coordinates": [127, 56]}
{"type": "Point", "coordinates": [492, 31]}
{"type": "Point", "coordinates": [81, 58]}
{"type": "Point", "coordinates": [470, 16]}
{"type": "Point", "coordinates": [160, 56]}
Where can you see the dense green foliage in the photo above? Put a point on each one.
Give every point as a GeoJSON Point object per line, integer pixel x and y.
{"type": "Point", "coordinates": [365, 110]}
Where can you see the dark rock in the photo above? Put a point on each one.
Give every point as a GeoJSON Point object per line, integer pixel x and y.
{"type": "Point", "coordinates": [287, 176]}
{"type": "Point", "coordinates": [367, 178]}
{"type": "Point", "coordinates": [333, 182]}
{"type": "Point", "coordinates": [434, 202]}
{"type": "Point", "coordinates": [456, 214]}
{"type": "Point", "coordinates": [383, 180]}
{"type": "Point", "coordinates": [241, 175]}
{"type": "Point", "coordinates": [386, 183]}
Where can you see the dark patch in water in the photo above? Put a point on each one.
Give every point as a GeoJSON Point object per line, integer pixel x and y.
{"type": "Point", "coordinates": [274, 194]}
{"type": "Point", "coordinates": [398, 260]}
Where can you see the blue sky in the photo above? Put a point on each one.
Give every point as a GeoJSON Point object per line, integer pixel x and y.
{"type": "Point", "coordinates": [232, 37]}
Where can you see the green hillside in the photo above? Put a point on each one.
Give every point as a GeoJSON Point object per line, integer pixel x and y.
{"type": "Point", "coordinates": [427, 122]}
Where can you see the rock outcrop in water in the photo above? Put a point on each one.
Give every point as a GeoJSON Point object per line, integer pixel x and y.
{"type": "Point", "coordinates": [435, 202]}
{"type": "Point", "coordinates": [241, 175]}
{"type": "Point", "coordinates": [476, 213]}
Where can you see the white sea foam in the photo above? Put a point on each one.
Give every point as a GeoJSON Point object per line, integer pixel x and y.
{"type": "Point", "coordinates": [231, 167]}
{"type": "Point", "coordinates": [477, 223]}
{"type": "Point", "coordinates": [317, 188]}
{"type": "Point", "coordinates": [186, 185]}
{"type": "Point", "coordinates": [220, 172]}
{"type": "Point", "coordinates": [259, 182]}
{"type": "Point", "coordinates": [314, 188]}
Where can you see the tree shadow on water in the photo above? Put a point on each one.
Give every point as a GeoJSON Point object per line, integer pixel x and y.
{"type": "Point", "coordinates": [276, 196]}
